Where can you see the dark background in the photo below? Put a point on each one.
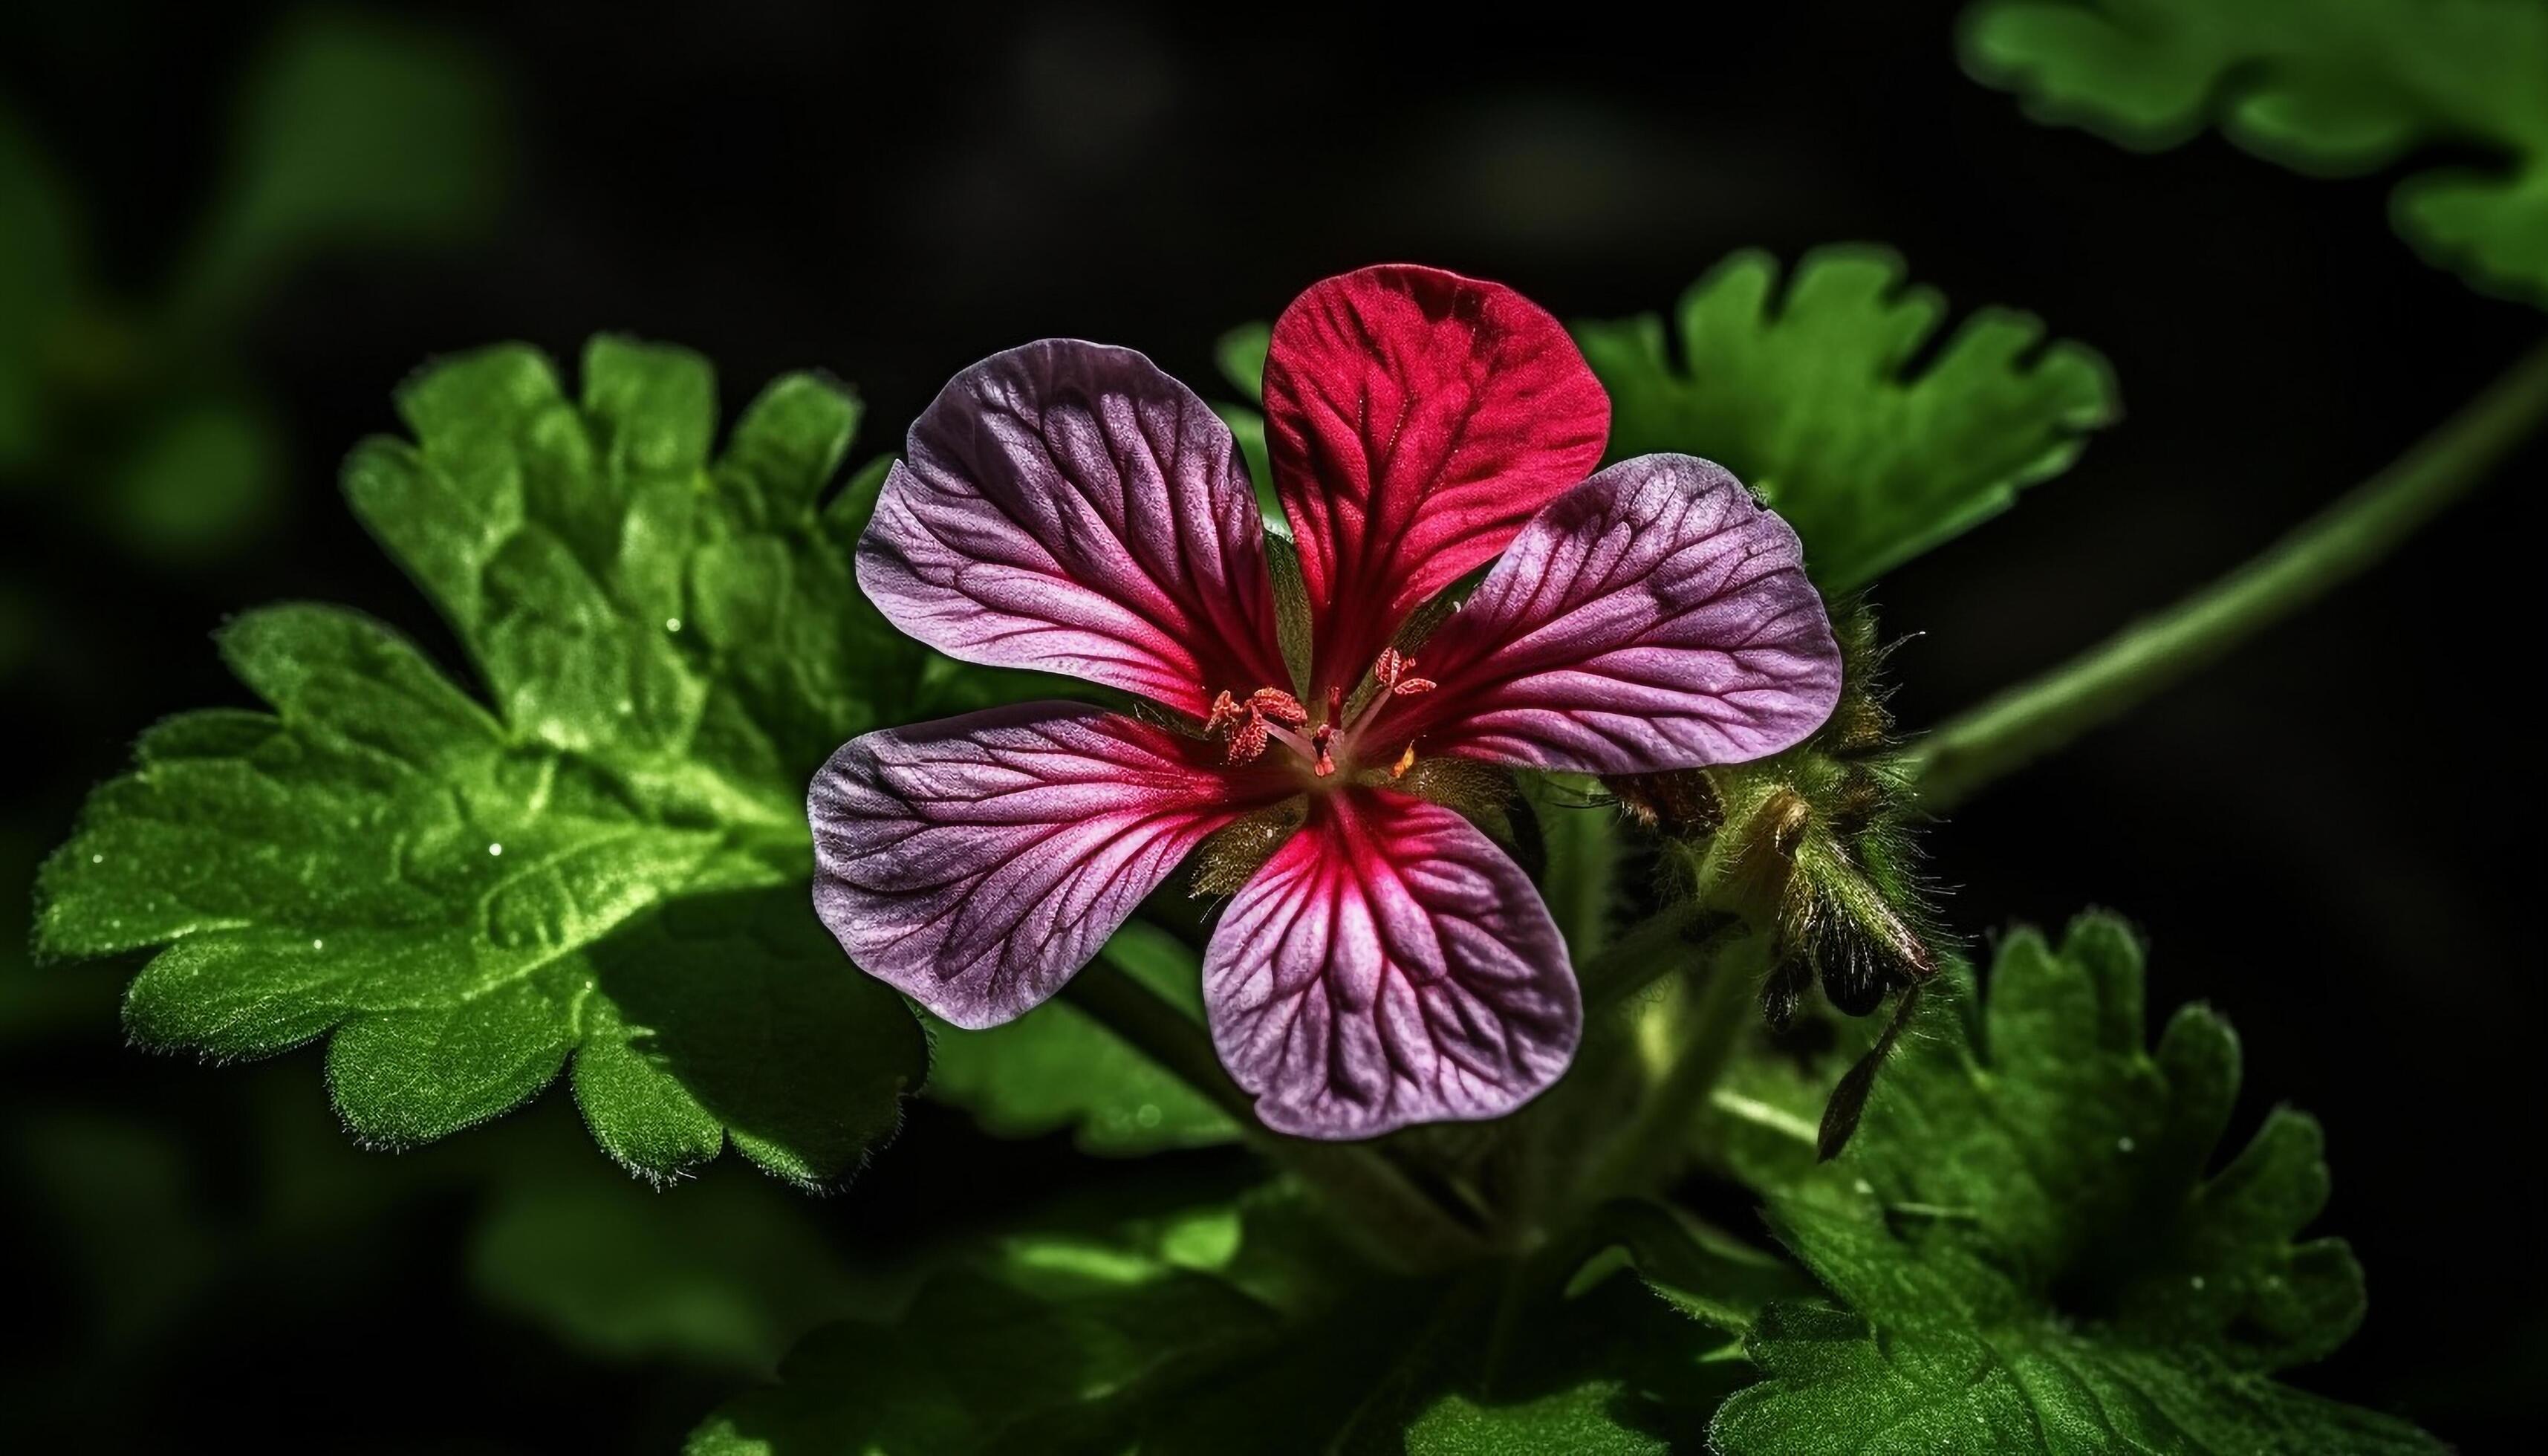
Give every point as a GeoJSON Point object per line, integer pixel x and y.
{"type": "Point", "coordinates": [2321, 837]}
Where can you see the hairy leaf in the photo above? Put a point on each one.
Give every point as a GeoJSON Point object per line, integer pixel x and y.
{"type": "Point", "coordinates": [1184, 1336]}
{"type": "Point", "coordinates": [607, 863]}
{"type": "Point", "coordinates": [1055, 1067]}
{"type": "Point", "coordinates": [2335, 87]}
{"type": "Point", "coordinates": [2037, 1253]}
{"type": "Point", "coordinates": [1812, 396]}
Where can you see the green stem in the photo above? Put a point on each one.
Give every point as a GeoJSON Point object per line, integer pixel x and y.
{"type": "Point", "coordinates": [2018, 726]}
{"type": "Point", "coordinates": [1658, 946]}
{"type": "Point", "coordinates": [1716, 1027]}
{"type": "Point", "coordinates": [1407, 1227]}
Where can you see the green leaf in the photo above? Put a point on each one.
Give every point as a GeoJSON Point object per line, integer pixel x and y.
{"type": "Point", "coordinates": [1184, 1335]}
{"type": "Point", "coordinates": [1055, 1067]}
{"type": "Point", "coordinates": [353, 131]}
{"type": "Point", "coordinates": [1812, 396]}
{"type": "Point", "coordinates": [197, 481]}
{"type": "Point", "coordinates": [608, 865]}
{"type": "Point", "coordinates": [2038, 1254]}
{"type": "Point", "coordinates": [721, 1274]}
{"type": "Point", "coordinates": [2330, 87]}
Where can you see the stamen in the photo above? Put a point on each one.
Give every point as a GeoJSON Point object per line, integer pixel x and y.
{"type": "Point", "coordinates": [1278, 705]}
{"type": "Point", "coordinates": [1249, 743]}
{"type": "Point", "coordinates": [1326, 765]}
{"type": "Point", "coordinates": [1405, 761]}
{"type": "Point", "coordinates": [1225, 711]}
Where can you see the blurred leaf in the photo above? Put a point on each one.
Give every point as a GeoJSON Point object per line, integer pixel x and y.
{"type": "Point", "coordinates": [1189, 1338]}
{"type": "Point", "coordinates": [719, 1273]}
{"type": "Point", "coordinates": [1812, 397]}
{"type": "Point", "coordinates": [38, 287]}
{"type": "Point", "coordinates": [2331, 87]}
{"type": "Point", "coordinates": [197, 482]}
{"type": "Point", "coordinates": [610, 866]}
{"type": "Point", "coordinates": [1055, 1067]}
{"type": "Point", "coordinates": [353, 129]}
{"type": "Point", "coordinates": [2033, 1256]}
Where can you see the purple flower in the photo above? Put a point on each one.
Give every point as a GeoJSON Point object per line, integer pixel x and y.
{"type": "Point", "coordinates": [1068, 507]}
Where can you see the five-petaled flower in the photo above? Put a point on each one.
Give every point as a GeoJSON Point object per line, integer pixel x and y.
{"type": "Point", "coordinates": [1070, 508]}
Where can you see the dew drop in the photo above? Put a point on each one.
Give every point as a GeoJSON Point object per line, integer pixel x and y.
{"type": "Point", "coordinates": [1146, 1115]}
{"type": "Point", "coordinates": [1865, 1187]}
{"type": "Point", "coordinates": [495, 849]}
{"type": "Point", "coordinates": [317, 945]}
{"type": "Point", "coordinates": [97, 859]}
{"type": "Point", "coordinates": [2124, 1145]}
{"type": "Point", "coordinates": [671, 624]}
{"type": "Point", "coordinates": [2198, 1281]}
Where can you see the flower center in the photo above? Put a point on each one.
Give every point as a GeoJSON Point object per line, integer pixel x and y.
{"type": "Point", "coordinates": [1269, 715]}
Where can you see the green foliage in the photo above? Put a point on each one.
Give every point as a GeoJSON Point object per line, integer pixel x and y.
{"type": "Point", "coordinates": [2036, 1254]}
{"type": "Point", "coordinates": [1057, 1067]}
{"type": "Point", "coordinates": [1209, 1332]}
{"type": "Point", "coordinates": [352, 131]}
{"type": "Point", "coordinates": [721, 1273]}
{"type": "Point", "coordinates": [1805, 394]}
{"type": "Point", "coordinates": [607, 865]}
{"type": "Point", "coordinates": [2335, 87]}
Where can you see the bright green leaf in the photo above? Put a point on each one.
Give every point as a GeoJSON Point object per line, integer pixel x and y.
{"type": "Point", "coordinates": [607, 868]}
{"type": "Point", "coordinates": [2335, 87]}
{"type": "Point", "coordinates": [1810, 396]}
{"type": "Point", "coordinates": [1055, 1067]}
{"type": "Point", "coordinates": [2038, 1254]}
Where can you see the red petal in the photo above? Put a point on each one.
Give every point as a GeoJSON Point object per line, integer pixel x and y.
{"type": "Point", "coordinates": [1416, 419]}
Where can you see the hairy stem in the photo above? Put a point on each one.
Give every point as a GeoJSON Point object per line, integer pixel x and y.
{"type": "Point", "coordinates": [1406, 1227]}
{"type": "Point", "coordinates": [2021, 724]}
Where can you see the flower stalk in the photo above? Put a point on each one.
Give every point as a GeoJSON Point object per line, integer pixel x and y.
{"type": "Point", "coordinates": [1979, 748]}
{"type": "Point", "coordinates": [1401, 1223]}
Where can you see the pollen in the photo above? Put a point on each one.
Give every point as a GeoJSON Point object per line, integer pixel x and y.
{"type": "Point", "coordinates": [1250, 723]}
{"type": "Point", "coordinates": [1395, 672]}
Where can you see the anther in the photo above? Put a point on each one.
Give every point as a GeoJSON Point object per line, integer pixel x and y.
{"type": "Point", "coordinates": [1278, 705]}
{"type": "Point", "coordinates": [1395, 672]}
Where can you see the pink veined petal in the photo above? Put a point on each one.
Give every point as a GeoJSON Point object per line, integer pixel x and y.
{"type": "Point", "coordinates": [1416, 419]}
{"type": "Point", "coordinates": [975, 864]}
{"type": "Point", "coordinates": [1068, 507]}
{"type": "Point", "coordinates": [1389, 965]}
{"type": "Point", "coordinates": [1654, 617]}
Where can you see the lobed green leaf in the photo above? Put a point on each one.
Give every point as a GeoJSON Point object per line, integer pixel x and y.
{"type": "Point", "coordinates": [1813, 396]}
{"type": "Point", "coordinates": [600, 865]}
{"type": "Point", "coordinates": [2036, 1249]}
{"type": "Point", "coordinates": [2335, 87]}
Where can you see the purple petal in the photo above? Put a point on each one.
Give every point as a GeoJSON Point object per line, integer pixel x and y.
{"type": "Point", "coordinates": [976, 863]}
{"type": "Point", "coordinates": [1389, 965]}
{"type": "Point", "coordinates": [1066, 507]}
{"type": "Point", "coordinates": [1654, 617]}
